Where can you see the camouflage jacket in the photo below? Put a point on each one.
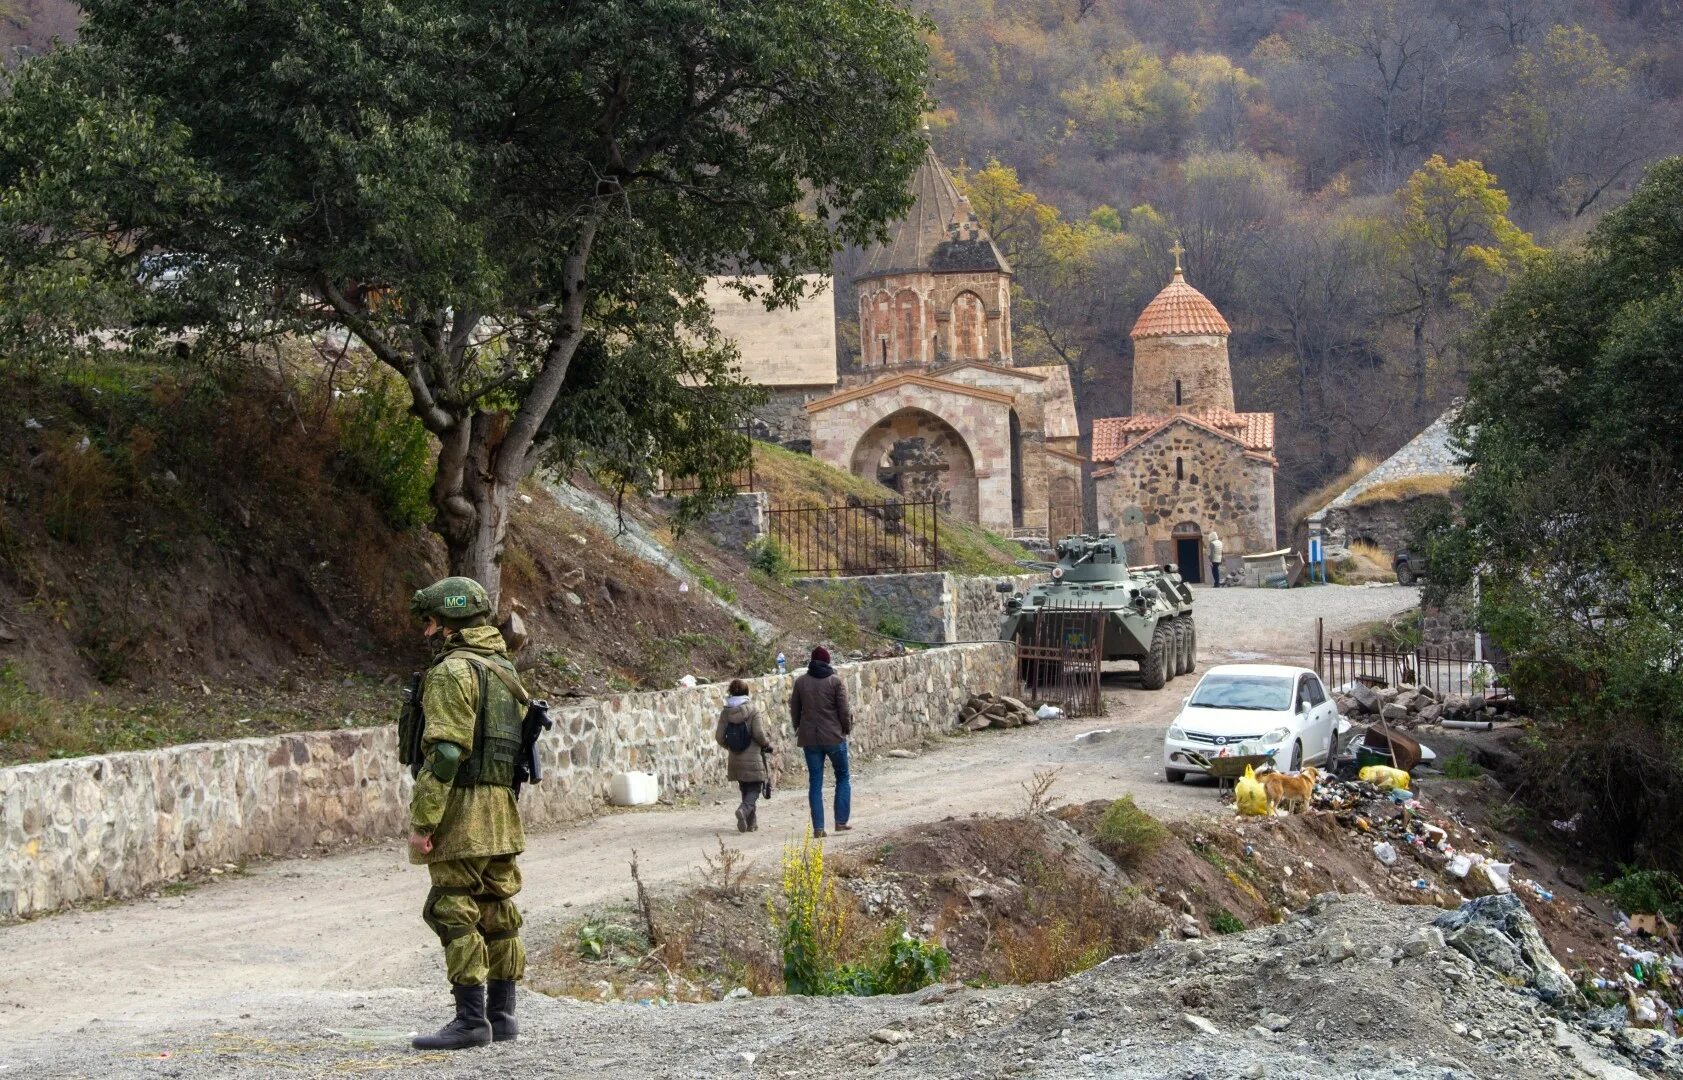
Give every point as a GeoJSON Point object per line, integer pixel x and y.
{"type": "Point", "coordinates": [467, 822]}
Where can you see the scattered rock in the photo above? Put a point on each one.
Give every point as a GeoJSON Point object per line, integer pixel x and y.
{"type": "Point", "coordinates": [1275, 1021]}
{"type": "Point", "coordinates": [1198, 1023]}
{"type": "Point", "coordinates": [897, 753]}
{"type": "Point", "coordinates": [891, 1036]}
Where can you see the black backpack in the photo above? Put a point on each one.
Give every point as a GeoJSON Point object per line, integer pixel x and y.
{"type": "Point", "coordinates": [738, 737]}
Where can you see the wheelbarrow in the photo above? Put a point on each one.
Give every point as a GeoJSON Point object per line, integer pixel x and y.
{"type": "Point", "coordinates": [1229, 768]}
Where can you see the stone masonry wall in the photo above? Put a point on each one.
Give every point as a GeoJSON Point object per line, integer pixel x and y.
{"type": "Point", "coordinates": [1215, 487]}
{"type": "Point", "coordinates": [934, 607]}
{"type": "Point", "coordinates": [118, 824]}
{"type": "Point", "coordinates": [734, 524]}
{"type": "Point", "coordinates": [1200, 363]}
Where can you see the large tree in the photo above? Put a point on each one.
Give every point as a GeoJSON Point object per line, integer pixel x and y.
{"type": "Point", "coordinates": [473, 191]}
{"type": "Point", "coordinates": [1574, 512]}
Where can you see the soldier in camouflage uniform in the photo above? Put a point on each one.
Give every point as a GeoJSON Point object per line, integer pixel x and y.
{"type": "Point", "coordinates": [464, 823]}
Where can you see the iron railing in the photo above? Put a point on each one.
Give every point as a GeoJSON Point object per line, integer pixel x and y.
{"type": "Point", "coordinates": [1340, 663]}
{"type": "Point", "coordinates": [742, 479]}
{"type": "Point", "coordinates": [858, 538]}
{"type": "Point", "coordinates": [1060, 658]}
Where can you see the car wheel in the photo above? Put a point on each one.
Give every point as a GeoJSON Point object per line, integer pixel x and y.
{"type": "Point", "coordinates": [1174, 776]}
{"type": "Point", "coordinates": [1405, 574]}
{"type": "Point", "coordinates": [1297, 756]}
{"type": "Point", "coordinates": [1154, 665]}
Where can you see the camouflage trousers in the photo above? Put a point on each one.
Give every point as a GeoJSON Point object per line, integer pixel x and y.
{"type": "Point", "coordinates": [470, 908]}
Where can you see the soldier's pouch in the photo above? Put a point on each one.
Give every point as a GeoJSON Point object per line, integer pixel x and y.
{"type": "Point", "coordinates": [411, 726]}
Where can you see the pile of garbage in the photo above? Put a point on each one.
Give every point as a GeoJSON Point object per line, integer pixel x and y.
{"type": "Point", "coordinates": [983, 711]}
{"type": "Point", "coordinates": [1412, 706]}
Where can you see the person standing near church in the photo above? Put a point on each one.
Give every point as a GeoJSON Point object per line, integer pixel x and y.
{"type": "Point", "coordinates": [1216, 550]}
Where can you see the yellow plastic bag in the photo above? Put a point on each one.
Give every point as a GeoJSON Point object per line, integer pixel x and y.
{"type": "Point", "coordinates": [1251, 795]}
{"type": "Point", "coordinates": [1386, 778]}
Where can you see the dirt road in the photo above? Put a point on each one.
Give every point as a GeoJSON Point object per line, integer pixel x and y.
{"type": "Point", "coordinates": [316, 928]}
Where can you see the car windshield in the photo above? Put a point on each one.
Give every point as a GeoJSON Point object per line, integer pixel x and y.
{"type": "Point", "coordinates": [1261, 692]}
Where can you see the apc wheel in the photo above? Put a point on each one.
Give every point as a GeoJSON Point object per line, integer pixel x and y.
{"type": "Point", "coordinates": [1191, 645]}
{"type": "Point", "coordinates": [1183, 627]}
{"type": "Point", "coordinates": [1174, 776]}
{"type": "Point", "coordinates": [1156, 664]}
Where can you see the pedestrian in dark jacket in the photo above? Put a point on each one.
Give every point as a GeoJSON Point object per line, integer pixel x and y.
{"type": "Point", "coordinates": [741, 731]}
{"type": "Point", "coordinates": [818, 707]}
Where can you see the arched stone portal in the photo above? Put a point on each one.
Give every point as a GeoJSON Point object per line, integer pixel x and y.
{"type": "Point", "coordinates": [920, 456]}
{"type": "Point", "coordinates": [1189, 551]}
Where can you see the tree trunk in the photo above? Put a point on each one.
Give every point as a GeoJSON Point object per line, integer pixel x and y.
{"type": "Point", "coordinates": [1420, 360]}
{"type": "Point", "coordinates": [472, 503]}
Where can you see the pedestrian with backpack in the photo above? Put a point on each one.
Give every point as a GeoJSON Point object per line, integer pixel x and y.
{"type": "Point", "coordinates": [741, 731]}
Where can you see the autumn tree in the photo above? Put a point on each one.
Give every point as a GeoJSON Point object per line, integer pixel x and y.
{"type": "Point", "coordinates": [479, 194]}
{"type": "Point", "coordinates": [1574, 125]}
{"type": "Point", "coordinates": [1453, 250]}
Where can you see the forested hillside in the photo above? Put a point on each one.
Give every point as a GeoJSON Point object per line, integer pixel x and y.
{"type": "Point", "coordinates": [1292, 148]}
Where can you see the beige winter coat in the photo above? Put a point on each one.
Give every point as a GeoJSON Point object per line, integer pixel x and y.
{"type": "Point", "coordinates": [747, 766]}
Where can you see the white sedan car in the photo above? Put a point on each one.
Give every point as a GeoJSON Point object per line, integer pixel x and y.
{"type": "Point", "coordinates": [1261, 707]}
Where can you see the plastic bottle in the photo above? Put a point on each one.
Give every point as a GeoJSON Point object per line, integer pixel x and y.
{"type": "Point", "coordinates": [782, 664]}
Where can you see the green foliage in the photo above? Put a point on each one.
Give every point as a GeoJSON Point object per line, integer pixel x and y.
{"type": "Point", "coordinates": [596, 939]}
{"type": "Point", "coordinates": [1128, 833]}
{"type": "Point", "coordinates": [893, 626]}
{"type": "Point", "coordinates": [1647, 891]}
{"type": "Point", "coordinates": [512, 207]}
{"type": "Point", "coordinates": [905, 964]}
{"type": "Point", "coordinates": [1573, 514]}
{"type": "Point", "coordinates": [1223, 921]}
{"type": "Point", "coordinates": [1459, 766]}
{"type": "Point", "coordinates": [809, 924]}
{"type": "Point", "coordinates": [387, 451]}
{"type": "Point", "coordinates": [766, 556]}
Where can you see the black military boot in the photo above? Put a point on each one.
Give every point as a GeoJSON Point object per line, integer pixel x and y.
{"type": "Point", "coordinates": [469, 1028]}
{"type": "Point", "coordinates": [499, 1005]}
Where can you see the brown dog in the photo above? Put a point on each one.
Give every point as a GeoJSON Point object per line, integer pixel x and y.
{"type": "Point", "coordinates": [1287, 790]}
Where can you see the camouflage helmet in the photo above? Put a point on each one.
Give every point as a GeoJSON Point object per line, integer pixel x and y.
{"type": "Point", "coordinates": [451, 600]}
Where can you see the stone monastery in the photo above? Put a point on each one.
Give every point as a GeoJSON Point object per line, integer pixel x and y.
{"type": "Point", "coordinates": [937, 409]}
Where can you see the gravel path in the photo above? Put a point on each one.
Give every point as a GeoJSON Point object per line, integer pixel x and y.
{"type": "Point", "coordinates": [315, 937]}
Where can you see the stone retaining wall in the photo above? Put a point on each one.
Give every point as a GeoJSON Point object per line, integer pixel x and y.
{"type": "Point", "coordinates": [934, 607]}
{"type": "Point", "coordinates": [118, 824]}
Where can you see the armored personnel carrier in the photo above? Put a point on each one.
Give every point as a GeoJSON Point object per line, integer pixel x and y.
{"type": "Point", "coordinates": [1148, 608]}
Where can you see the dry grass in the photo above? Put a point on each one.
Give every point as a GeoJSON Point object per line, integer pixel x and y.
{"type": "Point", "coordinates": [1366, 562]}
{"type": "Point", "coordinates": [1407, 487]}
{"type": "Point", "coordinates": [800, 480]}
{"type": "Point", "coordinates": [1330, 490]}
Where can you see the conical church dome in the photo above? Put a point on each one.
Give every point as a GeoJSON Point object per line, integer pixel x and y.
{"type": "Point", "coordinates": [1180, 311]}
{"type": "Point", "coordinates": [940, 233]}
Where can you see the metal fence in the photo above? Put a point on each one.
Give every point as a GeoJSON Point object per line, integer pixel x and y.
{"type": "Point", "coordinates": [1340, 663]}
{"type": "Point", "coordinates": [1060, 658]}
{"type": "Point", "coordinates": [858, 538]}
{"type": "Point", "coordinates": [742, 479]}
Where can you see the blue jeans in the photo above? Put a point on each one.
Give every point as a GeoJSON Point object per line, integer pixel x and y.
{"type": "Point", "coordinates": [815, 756]}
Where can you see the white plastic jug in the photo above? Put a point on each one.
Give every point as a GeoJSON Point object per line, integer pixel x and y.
{"type": "Point", "coordinates": [633, 789]}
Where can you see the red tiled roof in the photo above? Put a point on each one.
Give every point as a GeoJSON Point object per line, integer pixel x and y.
{"type": "Point", "coordinates": [1115, 435]}
{"type": "Point", "coordinates": [1179, 311]}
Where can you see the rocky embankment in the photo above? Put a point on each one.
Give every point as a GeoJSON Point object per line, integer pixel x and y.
{"type": "Point", "coordinates": [1351, 987]}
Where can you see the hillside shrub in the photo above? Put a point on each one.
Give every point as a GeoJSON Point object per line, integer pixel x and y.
{"type": "Point", "coordinates": [1128, 833]}
{"type": "Point", "coordinates": [386, 451]}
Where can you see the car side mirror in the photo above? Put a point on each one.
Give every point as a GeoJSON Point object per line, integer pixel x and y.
{"type": "Point", "coordinates": [1187, 700]}
{"type": "Point", "coordinates": [1303, 706]}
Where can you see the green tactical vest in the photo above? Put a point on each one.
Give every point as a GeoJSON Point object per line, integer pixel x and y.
{"type": "Point", "coordinates": [496, 727]}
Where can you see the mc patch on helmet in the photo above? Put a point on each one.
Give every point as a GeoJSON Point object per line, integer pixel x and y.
{"type": "Point", "coordinates": [451, 598]}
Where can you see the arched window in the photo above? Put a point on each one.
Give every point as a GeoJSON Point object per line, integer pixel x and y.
{"type": "Point", "coordinates": [1177, 391]}
{"type": "Point", "coordinates": [1180, 468]}
{"type": "Point", "coordinates": [884, 352]}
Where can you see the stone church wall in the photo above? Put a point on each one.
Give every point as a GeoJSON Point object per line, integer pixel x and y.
{"type": "Point", "coordinates": [1200, 363]}
{"type": "Point", "coordinates": [922, 318]}
{"type": "Point", "coordinates": [119, 824]}
{"type": "Point", "coordinates": [1215, 486]}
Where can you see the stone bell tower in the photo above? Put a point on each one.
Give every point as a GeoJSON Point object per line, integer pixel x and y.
{"type": "Point", "coordinates": [1180, 352]}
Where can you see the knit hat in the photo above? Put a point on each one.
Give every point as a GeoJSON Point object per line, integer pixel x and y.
{"type": "Point", "coordinates": [820, 655]}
